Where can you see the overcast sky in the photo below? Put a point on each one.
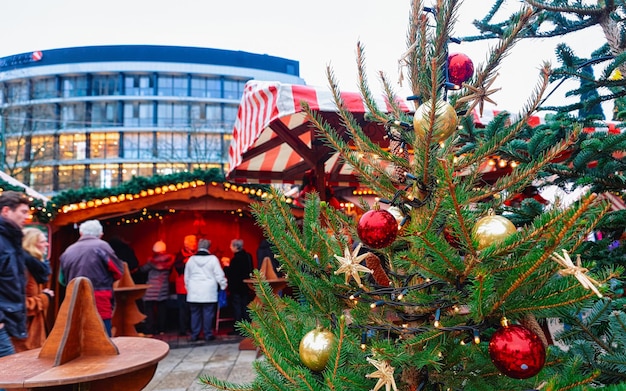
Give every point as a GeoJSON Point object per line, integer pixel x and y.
{"type": "Point", "coordinates": [316, 33]}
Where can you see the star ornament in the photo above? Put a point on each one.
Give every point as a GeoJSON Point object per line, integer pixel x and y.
{"type": "Point", "coordinates": [384, 374]}
{"type": "Point", "coordinates": [350, 264]}
{"type": "Point", "coordinates": [479, 95]}
{"type": "Point", "coordinates": [576, 270]}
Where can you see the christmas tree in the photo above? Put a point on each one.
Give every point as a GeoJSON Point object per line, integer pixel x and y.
{"type": "Point", "coordinates": [440, 285]}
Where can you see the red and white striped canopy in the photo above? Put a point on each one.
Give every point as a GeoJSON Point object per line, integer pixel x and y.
{"type": "Point", "coordinates": [274, 143]}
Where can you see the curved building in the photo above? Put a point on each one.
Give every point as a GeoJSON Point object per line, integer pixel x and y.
{"type": "Point", "coordinates": [98, 115]}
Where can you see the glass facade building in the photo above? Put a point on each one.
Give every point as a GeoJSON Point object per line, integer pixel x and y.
{"type": "Point", "coordinates": [99, 115]}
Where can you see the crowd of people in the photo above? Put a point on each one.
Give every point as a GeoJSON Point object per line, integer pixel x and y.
{"type": "Point", "coordinates": [193, 274]}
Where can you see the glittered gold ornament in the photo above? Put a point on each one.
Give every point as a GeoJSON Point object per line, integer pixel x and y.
{"type": "Point", "coordinates": [315, 348]}
{"type": "Point", "coordinates": [446, 120]}
{"type": "Point", "coordinates": [492, 229]}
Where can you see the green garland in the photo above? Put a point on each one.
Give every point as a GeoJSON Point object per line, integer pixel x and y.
{"type": "Point", "coordinates": [45, 212]}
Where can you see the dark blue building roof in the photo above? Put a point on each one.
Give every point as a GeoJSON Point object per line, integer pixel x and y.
{"type": "Point", "coordinates": [150, 53]}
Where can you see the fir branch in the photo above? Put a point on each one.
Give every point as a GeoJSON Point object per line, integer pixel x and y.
{"type": "Point", "coordinates": [272, 357]}
{"type": "Point", "coordinates": [457, 209]}
{"type": "Point", "coordinates": [526, 173]}
{"type": "Point", "coordinates": [266, 295]}
{"type": "Point", "coordinates": [485, 73]}
{"type": "Point", "coordinates": [441, 255]}
{"type": "Point", "coordinates": [364, 89]}
{"type": "Point", "coordinates": [337, 364]}
{"type": "Point", "coordinates": [546, 255]}
{"type": "Point", "coordinates": [584, 10]}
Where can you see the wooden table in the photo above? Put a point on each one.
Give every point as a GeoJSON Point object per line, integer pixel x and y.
{"type": "Point", "coordinates": [79, 355]}
{"type": "Point", "coordinates": [131, 369]}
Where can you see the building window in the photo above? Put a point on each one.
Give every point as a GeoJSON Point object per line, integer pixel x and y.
{"type": "Point", "coordinates": [42, 148]}
{"type": "Point", "coordinates": [205, 166]}
{"type": "Point", "coordinates": [74, 86]}
{"type": "Point", "coordinates": [71, 177]}
{"type": "Point", "coordinates": [230, 115]}
{"type": "Point", "coordinates": [42, 178]}
{"type": "Point", "coordinates": [172, 115]}
{"type": "Point", "coordinates": [103, 175]}
{"type": "Point", "coordinates": [73, 115]}
{"type": "Point", "coordinates": [104, 114]}
{"type": "Point", "coordinates": [17, 92]}
{"type": "Point", "coordinates": [172, 86]}
{"type": "Point", "coordinates": [206, 87]}
{"type": "Point", "coordinates": [139, 85]}
{"type": "Point", "coordinates": [104, 145]}
{"type": "Point", "coordinates": [105, 85]}
{"type": "Point", "coordinates": [233, 89]}
{"type": "Point", "coordinates": [45, 88]}
{"type": "Point", "coordinates": [205, 115]}
{"type": "Point", "coordinates": [131, 170]}
{"type": "Point", "coordinates": [138, 114]}
{"type": "Point", "coordinates": [172, 145]}
{"type": "Point", "coordinates": [16, 122]}
{"type": "Point", "coordinates": [14, 151]}
{"type": "Point", "coordinates": [170, 168]}
{"type": "Point", "coordinates": [44, 117]}
{"type": "Point", "coordinates": [72, 147]}
{"type": "Point", "coordinates": [206, 147]}
{"type": "Point", "coordinates": [138, 146]}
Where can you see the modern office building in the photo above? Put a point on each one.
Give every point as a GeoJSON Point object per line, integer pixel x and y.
{"type": "Point", "coordinates": [98, 115]}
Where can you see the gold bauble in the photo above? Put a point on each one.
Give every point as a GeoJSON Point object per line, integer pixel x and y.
{"type": "Point", "coordinates": [446, 120]}
{"type": "Point", "coordinates": [492, 229]}
{"type": "Point", "coordinates": [315, 348]}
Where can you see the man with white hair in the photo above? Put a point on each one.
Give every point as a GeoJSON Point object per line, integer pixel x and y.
{"type": "Point", "coordinates": [93, 258]}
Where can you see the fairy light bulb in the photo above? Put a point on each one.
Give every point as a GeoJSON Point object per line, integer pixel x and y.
{"type": "Point", "coordinates": [437, 323]}
{"type": "Point", "coordinates": [476, 336]}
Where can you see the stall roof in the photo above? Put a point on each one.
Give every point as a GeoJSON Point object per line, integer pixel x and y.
{"type": "Point", "coordinates": [29, 190]}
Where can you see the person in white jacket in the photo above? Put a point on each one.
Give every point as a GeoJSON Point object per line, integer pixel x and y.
{"type": "Point", "coordinates": [203, 274]}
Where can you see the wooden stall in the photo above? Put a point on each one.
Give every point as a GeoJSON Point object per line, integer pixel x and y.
{"type": "Point", "coordinates": [216, 211]}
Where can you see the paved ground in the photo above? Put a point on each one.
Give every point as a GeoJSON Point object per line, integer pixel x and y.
{"type": "Point", "coordinates": [186, 362]}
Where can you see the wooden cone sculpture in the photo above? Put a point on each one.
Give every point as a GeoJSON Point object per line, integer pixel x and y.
{"type": "Point", "coordinates": [126, 314]}
{"type": "Point", "coordinates": [267, 270]}
{"type": "Point", "coordinates": [78, 330]}
{"type": "Point", "coordinates": [126, 281]}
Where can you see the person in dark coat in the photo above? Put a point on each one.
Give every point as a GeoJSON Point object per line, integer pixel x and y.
{"type": "Point", "coordinates": [190, 246]}
{"type": "Point", "coordinates": [265, 251]}
{"type": "Point", "coordinates": [158, 269]}
{"type": "Point", "coordinates": [240, 268]}
{"type": "Point", "coordinates": [14, 212]}
{"type": "Point", "coordinates": [125, 252]}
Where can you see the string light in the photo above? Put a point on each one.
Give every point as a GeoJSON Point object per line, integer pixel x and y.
{"type": "Point", "coordinates": [476, 336]}
{"type": "Point", "coordinates": [437, 324]}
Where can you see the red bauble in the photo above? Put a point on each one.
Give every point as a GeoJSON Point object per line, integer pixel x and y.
{"type": "Point", "coordinates": [517, 352]}
{"type": "Point", "coordinates": [377, 228]}
{"type": "Point", "coordinates": [460, 68]}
